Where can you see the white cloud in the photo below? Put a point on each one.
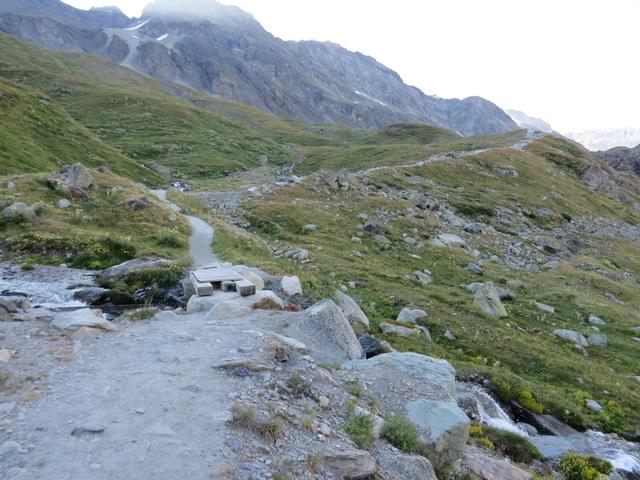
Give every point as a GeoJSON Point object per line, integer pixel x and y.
{"type": "Point", "coordinates": [571, 62]}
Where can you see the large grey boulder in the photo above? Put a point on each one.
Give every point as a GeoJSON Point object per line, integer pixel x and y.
{"type": "Point", "coordinates": [18, 210]}
{"type": "Point", "coordinates": [352, 311]}
{"type": "Point", "coordinates": [487, 299]}
{"type": "Point", "coordinates": [597, 340]}
{"type": "Point", "coordinates": [451, 240]}
{"type": "Point", "coordinates": [327, 333]}
{"type": "Point", "coordinates": [120, 271]}
{"type": "Point", "coordinates": [571, 336]}
{"type": "Point", "coordinates": [76, 175]}
{"type": "Point", "coordinates": [85, 317]}
{"type": "Point", "coordinates": [291, 285]}
{"type": "Point", "coordinates": [394, 465]}
{"type": "Point", "coordinates": [483, 466]}
{"type": "Point", "coordinates": [424, 390]}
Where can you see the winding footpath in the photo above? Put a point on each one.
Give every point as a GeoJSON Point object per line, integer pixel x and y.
{"type": "Point", "coordinates": [141, 403]}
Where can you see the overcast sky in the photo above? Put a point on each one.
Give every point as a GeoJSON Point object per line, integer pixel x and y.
{"type": "Point", "coordinates": [573, 63]}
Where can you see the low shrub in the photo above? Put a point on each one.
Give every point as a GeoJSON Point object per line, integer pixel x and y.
{"type": "Point", "coordinates": [578, 467]}
{"type": "Point", "coordinates": [297, 385]}
{"type": "Point", "coordinates": [243, 416]}
{"type": "Point", "coordinates": [164, 276]}
{"type": "Point", "coordinates": [402, 434]}
{"type": "Point", "coordinates": [360, 430]}
{"type": "Point", "coordinates": [512, 445]}
{"type": "Point", "coordinates": [169, 239]}
{"type": "Point", "coordinates": [272, 428]}
{"type": "Point", "coordinates": [355, 388]}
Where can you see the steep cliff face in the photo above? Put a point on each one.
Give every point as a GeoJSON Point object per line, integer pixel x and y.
{"type": "Point", "coordinates": [225, 52]}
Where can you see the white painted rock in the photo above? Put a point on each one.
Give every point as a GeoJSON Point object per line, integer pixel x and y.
{"type": "Point", "coordinates": [84, 317]}
{"type": "Point", "coordinates": [291, 285]}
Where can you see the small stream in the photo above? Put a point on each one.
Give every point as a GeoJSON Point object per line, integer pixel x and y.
{"type": "Point", "coordinates": [623, 455]}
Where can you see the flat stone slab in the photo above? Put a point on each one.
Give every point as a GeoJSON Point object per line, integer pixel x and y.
{"type": "Point", "coordinates": [211, 275]}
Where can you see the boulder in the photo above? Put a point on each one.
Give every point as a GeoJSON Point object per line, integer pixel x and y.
{"type": "Point", "coordinates": [85, 317]}
{"type": "Point", "coordinates": [370, 346]}
{"type": "Point", "coordinates": [228, 310]}
{"type": "Point", "coordinates": [352, 311]}
{"type": "Point", "coordinates": [423, 277]}
{"type": "Point", "coordinates": [410, 315]}
{"type": "Point", "coordinates": [483, 466]}
{"type": "Point", "coordinates": [475, 268]}
{"type": "Point", "coordinates": [593, 406]}
{"type": "Point", "coordinates": [597, 340]}
{"type": "Point", "coordinates": [136, 204]}
{"type": "Point", "coordinates": [76, 175]}
{"type": "Point", "coordinates": [18, 210]}
{"type": "Point", "coordinates": [63, 203]}
{"type": "Point", "coordinates": [347, 464]}
{"type": "Point", "coordinates": [545, 308]}
{"type": "Point", "coordinates": [327, 333]}
{"type": "Point", "coordinates": [487, 299]}
{"type": "Point", "coordinates": [398, 330]}
{"type": "Point", "coordinates": [291, 286]}
{"type": "Point", "coordinates": [375, 226]}
{"type": "Point", "coordinates": [120, 271]}
{"type": "Point", "coordinates": [424, 390]}
{"type": "Point", "coordinates": [451, 240]}
{"type": "Point", "coordinates": [474, 228]}
{"type": "Point", "coordinates": [395, 465]}
{"type": "Point", "coordinates": [571, 336]}
{"type": "Point", "coordinates": [593, 320]}
{"type": "Point", "coordinates": [91, 295]}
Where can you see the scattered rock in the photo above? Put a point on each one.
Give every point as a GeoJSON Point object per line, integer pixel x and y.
{"type": "Point", "coordinates": [451, 240]}
{"type": "Point", "coordinates": [136, 204]}
{"type": "Point", "coordinates": [85, 317]}
{"type": "Point", "coordinates": [246, 363]}
{"type": "Point", "coordinates": [410, 315]}
{"type": "Point", "coordinates": [506, 172]}
{"type": "Point", "coordinates": [13, 305]}
{"type": "Point", "coordinates": [6, 355]}
{"type": "Point", "coordinates": [474, 228]}
{"type": "Point", "coordinates": [310, 227]}
{"type": "Point", "coordinates": [352, 311]}
{"type": "Point", "coordinates": [18, 210]}
{"type": "Point", "coordinates": [347, 464]}
{"type": "Point", "coordinates": [488, 301]}
{"type": "Point", "coordinates": [544, 307]}
{"type": "Point", "coordinates": [423, 277]}
{"type": "Point", "coordinates": [398, 330]}
{"type": "Point", "coordinates": [593, 405]}
{"type": "Point", "coordinates": [425, 202]}
{"type": "Point", "coordinates": [475, 268]}
{"type": "Point", "coordinates": [375, 226]}
{"type": "Point", "coordinates": [449, 336]}
{"type": "Point", "coordinates": [571, 336]}
{"type": "Point", "coordinates": [291, 285]}
{"type": "Point", "coordinates": [76, 175]}
{"type": "Point", "coordinates": [63, 203]}
{"type": "Point", "coordinates": [597, 340]}
{"type": "Point", "coordinates": [593, 320]}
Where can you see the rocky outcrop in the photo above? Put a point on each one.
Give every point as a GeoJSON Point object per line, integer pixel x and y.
{"type": "Point", "coordinates": [71, 321]}
{"type": "Point", "coordinates": [401, 466]}
{"type": "Point", "coordinates": [483, 466]}
{"type": "Point", "coordinates": [622, 159]}
{"type": "Point", "coordinates": [422, 389]}
{"type": "Point", "coordinates": [71, 176]}
{"type": "Point", "coordinates": [487, 299]}
{"type": "Point", "coordinates": [18, 211]}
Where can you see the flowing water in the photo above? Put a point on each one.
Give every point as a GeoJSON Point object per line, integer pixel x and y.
{"type": "Point", "coordinates": [45, 286]}
{"type": "Point", "coordinates": [622, 454]}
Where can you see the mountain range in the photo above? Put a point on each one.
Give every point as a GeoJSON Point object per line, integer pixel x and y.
{"type": "Point", "coordinates": [605, 139]}
{"type": "Point", "coordinates": [224, 52]}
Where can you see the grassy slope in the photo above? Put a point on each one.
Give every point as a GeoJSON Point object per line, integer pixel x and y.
{"type": "Point", "coordinates": [135, 114]}
{"type": "Point", "coordinates": [519, 352]}
{"type": "Point", "coordinates": [80, 235]}
{"type": "Point", "coordinates": [36, 135]}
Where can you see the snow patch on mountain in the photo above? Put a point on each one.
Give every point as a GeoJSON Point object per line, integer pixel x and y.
{"type": "Point", "coordinates": [605, 139]}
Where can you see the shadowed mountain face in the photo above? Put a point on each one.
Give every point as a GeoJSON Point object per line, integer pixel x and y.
{"type": "Point", "coordinates": [225, 52]}
{"type": "Point", "coordinates": [622, 158]}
